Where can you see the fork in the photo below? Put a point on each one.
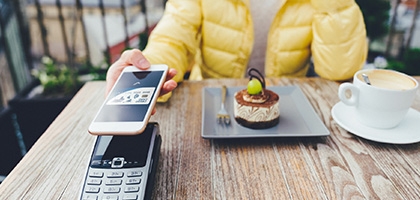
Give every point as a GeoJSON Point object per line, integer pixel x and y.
{"type": "Point", "coordinates": [223, 116]}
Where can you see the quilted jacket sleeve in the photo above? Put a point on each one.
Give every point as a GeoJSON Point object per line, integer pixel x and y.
{"type": "Point", "coordinates": [174, 39]}
{"type": "Point", "coordinates": [339, 46]}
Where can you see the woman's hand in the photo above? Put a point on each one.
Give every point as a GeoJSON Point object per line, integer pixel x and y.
{"type": "Point", "coordinates": [136, 58]}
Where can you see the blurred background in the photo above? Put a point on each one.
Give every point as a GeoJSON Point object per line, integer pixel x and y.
{"type": "Point", "coordinates": [50, 48]}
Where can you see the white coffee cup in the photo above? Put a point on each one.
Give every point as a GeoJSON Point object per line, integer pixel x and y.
{"type": "Point", "coordinates": [385, 102]}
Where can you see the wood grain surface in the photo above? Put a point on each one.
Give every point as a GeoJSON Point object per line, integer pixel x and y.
{"type": "Point", "coordinates": [339, 166]}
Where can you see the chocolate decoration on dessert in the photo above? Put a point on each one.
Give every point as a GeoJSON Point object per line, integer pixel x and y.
{"type": "Point", "coordinates": [256, 98]}
{"type": "Point", "coordinates": [260, 77]}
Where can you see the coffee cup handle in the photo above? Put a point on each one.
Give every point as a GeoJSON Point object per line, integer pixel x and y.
{"type": "Point", "coordinates": [352, 100]}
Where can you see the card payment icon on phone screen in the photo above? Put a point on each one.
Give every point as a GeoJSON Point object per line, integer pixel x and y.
{"type": "Point", "coordinates": [134, 96]}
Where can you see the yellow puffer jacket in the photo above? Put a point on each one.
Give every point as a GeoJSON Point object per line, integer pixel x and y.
{"type": "Point", "coordinates": [331, 32]}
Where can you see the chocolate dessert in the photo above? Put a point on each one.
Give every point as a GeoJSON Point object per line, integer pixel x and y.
{"type": "Point", "coordinates": [256, 107]}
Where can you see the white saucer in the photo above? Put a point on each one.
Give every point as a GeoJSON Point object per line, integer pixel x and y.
{"type": "Point", "coordinates": [405, 133]}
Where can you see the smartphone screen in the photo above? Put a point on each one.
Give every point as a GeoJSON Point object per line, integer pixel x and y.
{"type": "Point", "coordinates": [131, 97]}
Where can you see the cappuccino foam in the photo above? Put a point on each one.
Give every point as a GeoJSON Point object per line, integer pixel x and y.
{"type": "Point", "coordinates": [389, 79]}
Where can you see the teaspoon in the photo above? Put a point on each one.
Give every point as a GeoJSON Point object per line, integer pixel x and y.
{"type": "Point", "coordinates": [366, 78]}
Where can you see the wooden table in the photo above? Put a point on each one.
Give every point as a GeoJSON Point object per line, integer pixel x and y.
{"type": "Point", "coordinates": [340, 166]}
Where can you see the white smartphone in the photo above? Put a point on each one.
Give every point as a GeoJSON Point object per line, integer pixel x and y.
{"type": "Point", "coordinates": [129, 105]}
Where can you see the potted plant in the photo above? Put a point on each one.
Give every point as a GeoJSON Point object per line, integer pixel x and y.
{"type": "Point", "coordinates": [56, 80]}
{"type": "Point", "coordinates": [53, 87]}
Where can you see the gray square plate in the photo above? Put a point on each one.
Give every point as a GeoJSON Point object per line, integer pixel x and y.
{"type": "Point", "coordinates": [297, 116]}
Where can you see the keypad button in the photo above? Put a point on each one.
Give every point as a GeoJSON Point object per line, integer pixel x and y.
{"type": "Point", "coordinates": [115, 175]}
{"type": "Point", "coordinates": [94, 181]}
{"type": "Point", "coordinates": [132, 181]}
{"type": "Point", "coordinates": [91, 189]}
{"type": "Point", "coordinates": [90, 197]}
{"type": "Point", "coordinates": [134, 173]}
{"type": "Point", "coordinates": [130, 197]}
{"type": "Point", "coordinates": [96, 174]}
{"type": "Point", "coordinates": [132, 189]}
{"type": "Point", "coordinates": [110, 197]}
{"type": "Point", "coordinates": [113, 182]}
{"type": "Point", "coordinates": [112, 190]}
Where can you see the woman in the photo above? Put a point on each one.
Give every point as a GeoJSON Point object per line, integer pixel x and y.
{"type": "Point", "coordinates": [223, 38]}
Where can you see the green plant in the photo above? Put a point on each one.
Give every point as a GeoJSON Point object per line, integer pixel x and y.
{"type": "Point", "coordinates": [411, 60]}
{"type": "Point", "coordinates": [57, 80]}
{"type": "Point", "coordinates": [89, 72]}
{"type": "Point", "coordinates": [410, 63]}
{"type": "Point", "coordinates": [61, 80]}
{"type": "Point", "coordinates": [395, 65]}
{"type": "Point", "coordinates": [376, 16]}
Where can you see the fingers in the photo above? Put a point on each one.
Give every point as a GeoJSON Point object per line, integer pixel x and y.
{"type": "Point", "coordinates": [135, 58]}
{"type": "Point", "coordinates": [167, 87]}
{"type": "Point", "coordinates": [169, 84]}
{"type": "Point", "coordinates": [171, 74]}
{"type": "Point", "coordinates": [132, 57]}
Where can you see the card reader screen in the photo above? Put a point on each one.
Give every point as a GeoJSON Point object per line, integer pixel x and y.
{"type": "Point", "coordinates": [132, 148]}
